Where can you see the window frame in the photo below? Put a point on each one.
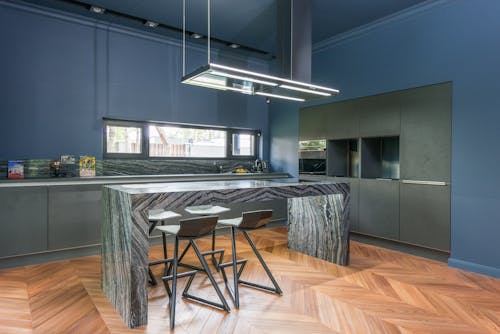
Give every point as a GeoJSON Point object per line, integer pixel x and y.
{"type": "Point", "coordinates": [144, 125]}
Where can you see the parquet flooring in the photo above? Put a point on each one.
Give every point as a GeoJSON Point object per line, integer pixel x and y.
{"type": "Point", "coordinates": [381, 291]}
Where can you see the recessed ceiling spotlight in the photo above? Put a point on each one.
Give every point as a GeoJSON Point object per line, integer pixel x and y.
{"type": "Point", "coordinates": [234, 45]}
{"type": "Point", "coordinates": [97, 10]}
{"type": "Point", "coordinates": [196, 35]}
{"type": "Point", "coordinates": [151, 24]}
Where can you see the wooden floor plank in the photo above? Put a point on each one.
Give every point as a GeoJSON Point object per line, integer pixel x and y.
{"type": "Point", "coordinates": [382, 291]}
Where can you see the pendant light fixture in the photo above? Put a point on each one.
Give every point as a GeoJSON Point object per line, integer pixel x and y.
{"type": "Point", "coordinates": [229, 78]}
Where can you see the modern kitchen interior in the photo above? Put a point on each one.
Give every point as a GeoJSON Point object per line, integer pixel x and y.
{"type": "Point", "coordinates": [270, 166]}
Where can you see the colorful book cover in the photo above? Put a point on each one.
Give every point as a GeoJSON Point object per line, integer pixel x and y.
{"type": "Point", "coordinates": [15, 169]}
{"type": "Point", "coordinates": [87, 165]}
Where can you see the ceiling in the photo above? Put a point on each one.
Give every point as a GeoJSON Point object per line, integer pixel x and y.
{"type": "Point", "coordinates": [249, 23]}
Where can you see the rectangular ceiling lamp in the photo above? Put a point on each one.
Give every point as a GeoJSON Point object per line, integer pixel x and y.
{"type": "Point", "coordinates": [252, 83]}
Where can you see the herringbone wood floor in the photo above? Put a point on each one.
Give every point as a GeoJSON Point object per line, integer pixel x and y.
{"type": "Point", "coordinates": [382, 291]}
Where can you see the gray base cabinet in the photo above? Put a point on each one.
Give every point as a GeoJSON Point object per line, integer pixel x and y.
{"type": "Point", "coordinates": [74, 216]}
{"type": "Point", "coordinates": [23, 221]}
{"type": "Point", "coordinates": [379, 208]}
{"type": "Point", "coordinates": [425, 215]}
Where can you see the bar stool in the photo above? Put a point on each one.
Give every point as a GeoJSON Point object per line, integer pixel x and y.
{"type": "Point", "coordinates": [155, 217]}
{"type": "Point", "coordinates": [189, 229]}
{"type": "Point", "coordinates": [207, 210]}
{"type": "Point", "coordinates": [250, 220]}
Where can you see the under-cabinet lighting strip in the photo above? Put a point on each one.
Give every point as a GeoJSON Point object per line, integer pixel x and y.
{"type": "Point", "coordinates": [274, 78]}
{"type": "Point", "coordinates": [280, 96]}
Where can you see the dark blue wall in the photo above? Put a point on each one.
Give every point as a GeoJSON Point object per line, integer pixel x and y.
{"type": "Point", "coordinates": [442, 41]}
{"type": "Point", "coordinates": [60, 74]}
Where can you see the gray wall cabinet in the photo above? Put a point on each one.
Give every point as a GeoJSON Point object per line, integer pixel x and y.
{"type": "Point", "coordinates": [426, 133]}
{"type": "Point", "coordinates": [74, 216]}
{"type": "Point", "coordinates": [380, 115]}
{"type": "Point", "coordinates": [312, 122]}
{"type": "Point", "coordinates": [342, 120]}
{"type": "Point", "coordinates": [23, 221]}
{"type": "Point", "coordinates": [417, 125]}
{"type": "Point", "coordinates": [379, 208]}
{"type": "Point", "coordinates": [425, 215]}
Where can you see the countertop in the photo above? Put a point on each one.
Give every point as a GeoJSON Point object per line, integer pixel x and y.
{"type": "Point", "coordinates": [172, 187]}
{"type": "Point", "coordinates": [106, 180]}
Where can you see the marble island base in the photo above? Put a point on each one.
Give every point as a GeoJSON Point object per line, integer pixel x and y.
{"type": "Point", "coordinates": [317, 214]}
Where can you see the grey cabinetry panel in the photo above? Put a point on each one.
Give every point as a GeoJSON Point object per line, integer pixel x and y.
{"type": "Point", "coordinates": [23, 220]}
{"type": "Point", "coordinates": [379, 208]}
{"type": "Point", "coordinates": [426, 133]}
{"type": "Point", "coordinates": [74, 216]}
{"type": "Point", "coordinates": [380, 115]}
{"type": "Point", "coordinates": [425, 215]}
{"type": "Point", "coordinates": [342, 120]}
{"type": "Point", "coordinates": [312, 122]}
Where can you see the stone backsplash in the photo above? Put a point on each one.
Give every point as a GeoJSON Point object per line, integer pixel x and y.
{"type": "Point", "coordinates": [39, 168]}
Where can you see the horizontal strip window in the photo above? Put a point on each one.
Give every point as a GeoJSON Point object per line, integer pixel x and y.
{"type": "Point", "coordinates": [158, 140]}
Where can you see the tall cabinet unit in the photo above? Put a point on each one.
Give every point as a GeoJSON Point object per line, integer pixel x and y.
{"type": "Point", "coordinates": [425, 166]}
{"type": "Point", "coordinates": [395, 151]}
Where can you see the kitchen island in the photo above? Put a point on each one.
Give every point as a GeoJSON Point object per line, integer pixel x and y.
{"type": "Point", "coordinates": [318, 220]}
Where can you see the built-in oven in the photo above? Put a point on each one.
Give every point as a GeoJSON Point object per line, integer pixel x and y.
{"type": "Point", "coordinates": [312, 157]}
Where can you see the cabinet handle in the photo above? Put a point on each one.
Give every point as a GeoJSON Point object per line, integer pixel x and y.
{"type": "Point", "coordinates": [430, 183]}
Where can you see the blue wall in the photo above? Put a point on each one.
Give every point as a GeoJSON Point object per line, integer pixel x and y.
{"type": "Point", "coordinates": [440, 41]}
{"type": "Point", "coordinates": [60, 74]}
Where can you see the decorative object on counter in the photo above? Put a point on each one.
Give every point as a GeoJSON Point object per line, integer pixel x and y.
{"type": "Point", "coordinates": [266, 166]}
{"type": "Point", "coordinates": [68, 166]}
{"type": "Point", "coordinates": [257, 166]}
{"type": "Point", "coordinates": [87, 166]}
{"type": "Point", "coordinates": [15, 169]}
{"type": "Point", "coordinates": [55, 168]}
{"type": "Point", "coordinates": [241, 170]}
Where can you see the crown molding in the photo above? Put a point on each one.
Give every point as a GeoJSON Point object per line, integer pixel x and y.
{"type": "Point", "coordinates": [367, 28]}
{"type": "Point", "coordinates": [113, 27]}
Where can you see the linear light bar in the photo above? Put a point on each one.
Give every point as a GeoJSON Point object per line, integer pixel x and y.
{"type": "Point", "coordinates": [273, 77]}
{"type": "Point", "coordinates": [253, 83]}
{"type": "Point", "coordinates": [204, 84]}
{"type": "Point", "coordinates": [269, 83]}
{"type": "Point", "coordinates": [280, 96]}
{"type": "Point", "coordinates": [300, 89]}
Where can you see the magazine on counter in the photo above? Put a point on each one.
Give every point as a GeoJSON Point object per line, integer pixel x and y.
{"type": "Point", "coordinates": [15, 169]}
{"type": "Point", "coordinates": [87, 166]}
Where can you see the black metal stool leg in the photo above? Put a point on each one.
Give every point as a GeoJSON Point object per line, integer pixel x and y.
{"type": "Point", "coordinates": [235, 272]}
{"type": "Point", "coordinates": [214, 261]}
{"type": "Point", "coordinates": [152, 280]}
{"type": "Point", "coordinates": [204, 264]}
{"type": "Point", "coordinates": [174, 284]}
{"type": "Point", "coordinates": [276, 289]}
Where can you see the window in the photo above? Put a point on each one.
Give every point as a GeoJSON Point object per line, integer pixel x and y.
{"type": "Point", "coordinates": [243, 144]}
{"type": "Point", "coordinates": [132, 139]}
{"type": "Point", "coordinates": [123, 139]}
{"type": "Point", "coordinates": [172, 141]}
